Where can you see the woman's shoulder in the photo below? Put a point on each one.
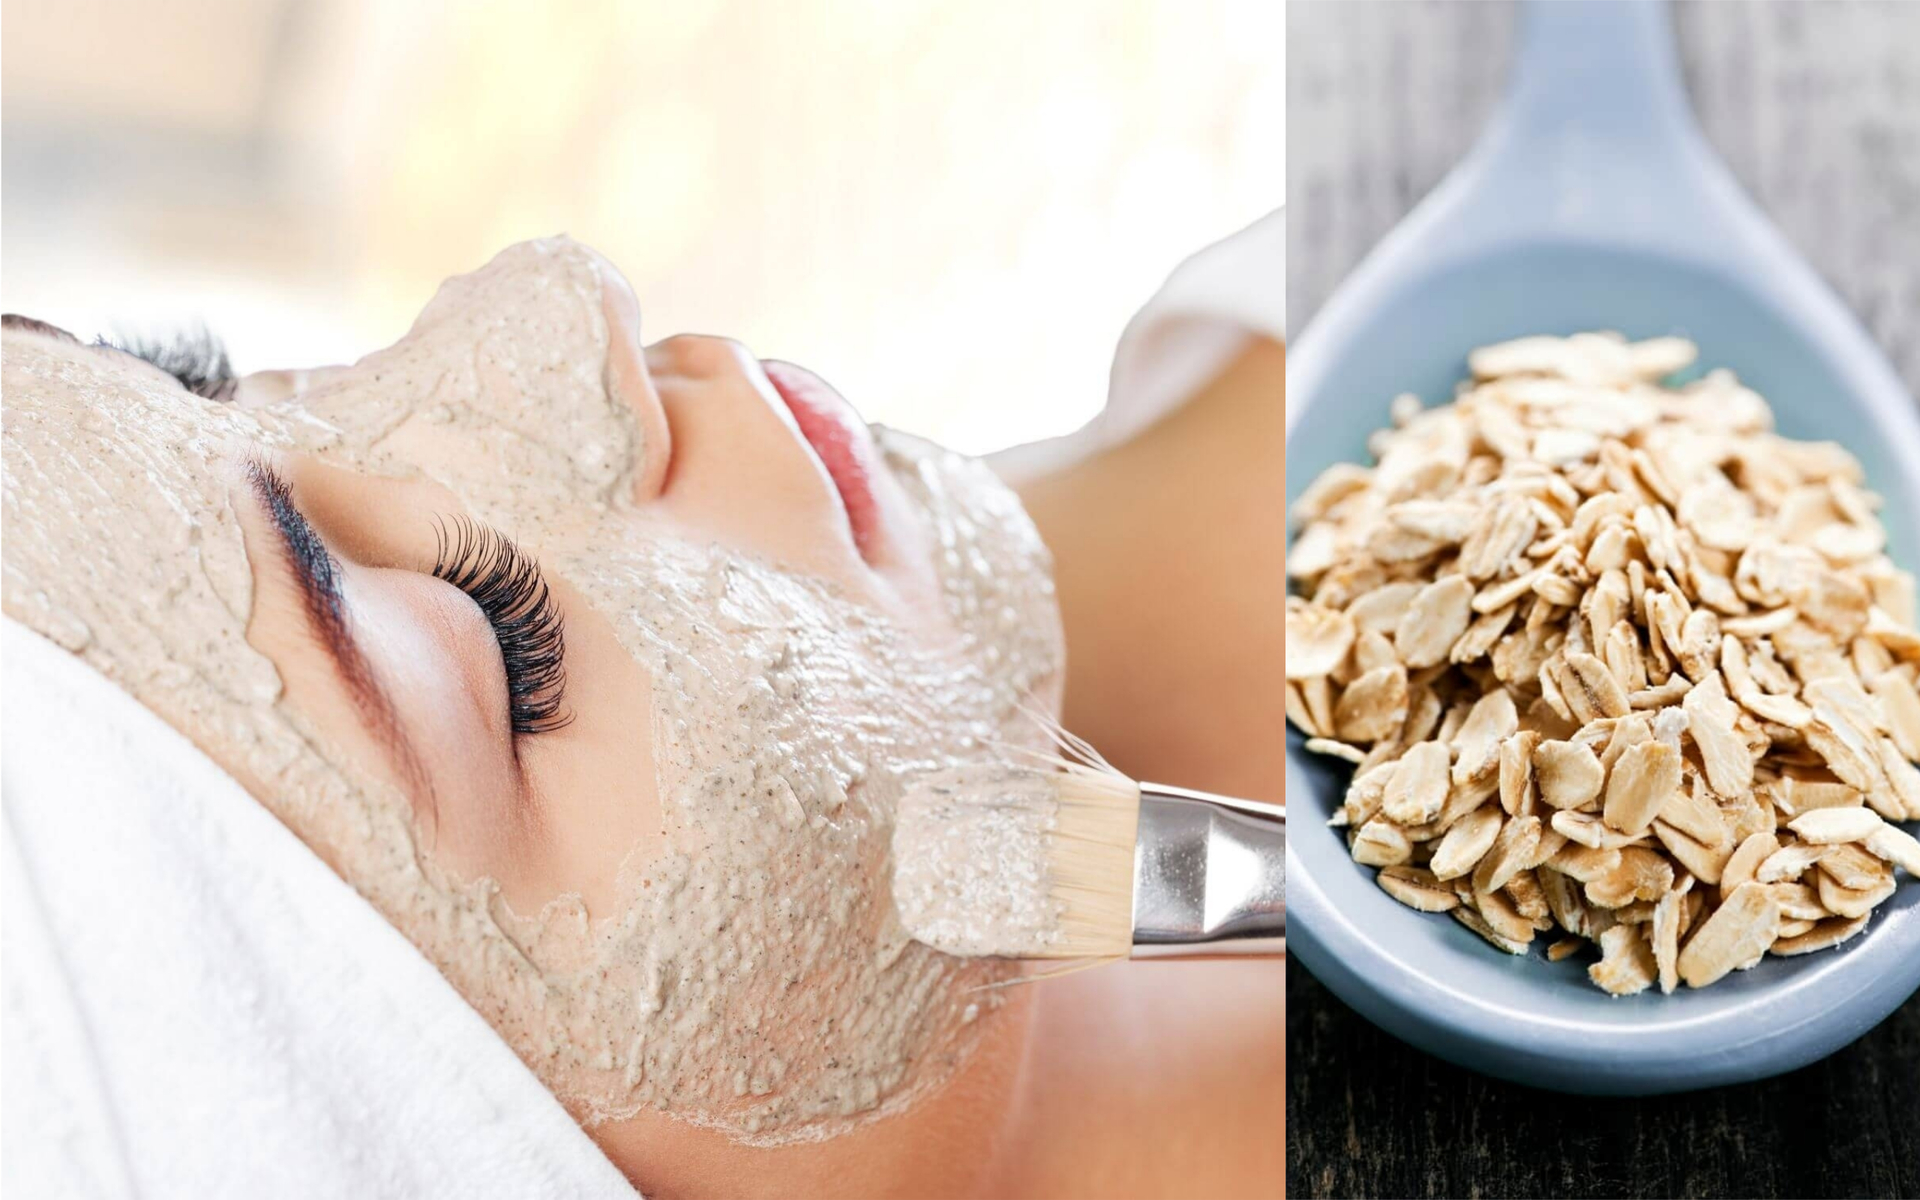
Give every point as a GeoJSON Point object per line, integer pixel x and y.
{"type": "Point", "coordinates": [1154, 1079]}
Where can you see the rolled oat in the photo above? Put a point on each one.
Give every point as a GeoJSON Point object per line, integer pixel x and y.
{"type": "Point", "coordinates": [1612, 659]}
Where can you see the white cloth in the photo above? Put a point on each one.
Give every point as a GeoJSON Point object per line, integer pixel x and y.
{"type": "Point", "coordinates": [195, 1006]}
{"type": "Point", "coordinates": [1190, 330]}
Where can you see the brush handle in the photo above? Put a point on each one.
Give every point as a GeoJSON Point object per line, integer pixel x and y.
{"type": "Point", "coordinates": [1209, 876]}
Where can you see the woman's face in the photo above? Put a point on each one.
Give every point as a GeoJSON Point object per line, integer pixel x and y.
{"type": "Point", "coordinates": [597, 668]}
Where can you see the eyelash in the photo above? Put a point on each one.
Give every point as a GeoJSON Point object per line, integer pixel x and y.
{"type": "Point", "coordinates": [194, 357]}
{"type": "Point", "coordinates": [507, 585]}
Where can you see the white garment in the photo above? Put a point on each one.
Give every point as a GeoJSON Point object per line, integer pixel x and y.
{"type": "Point", "coordinates": [1191, 329]}
{"type": "Point", "coordinates": [194, 1005]}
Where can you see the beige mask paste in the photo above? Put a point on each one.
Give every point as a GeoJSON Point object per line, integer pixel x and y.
{"type": "Point", "coordinates": [753, 976]}
{"type": "Point", "coordinates": [971, 869]}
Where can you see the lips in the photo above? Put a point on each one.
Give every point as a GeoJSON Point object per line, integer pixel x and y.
{"type": "Point", "coordinates": [840, 440]}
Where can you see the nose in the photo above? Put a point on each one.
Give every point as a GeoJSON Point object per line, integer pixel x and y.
{"type": "Point", "coordinates": [627, 380]}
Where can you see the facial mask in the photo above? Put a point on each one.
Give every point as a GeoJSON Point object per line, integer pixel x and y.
{"type": "Point", "coordinates": [970, 848]}
{"type": "Point", "coordinates": [751, 975]}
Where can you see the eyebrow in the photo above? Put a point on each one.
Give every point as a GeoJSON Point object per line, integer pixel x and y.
{"type": "Point", "coordinates": [35, 325]}
{"type": "Point", "coordinates": [194, 356]}
{"type": "Point", "coordinates": [317, 575]}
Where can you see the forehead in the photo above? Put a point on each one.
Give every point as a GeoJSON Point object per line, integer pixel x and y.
{"type": "Point", "coordinates": [40, 358]}
{"type": "Point", "coordinates": [86, 413]}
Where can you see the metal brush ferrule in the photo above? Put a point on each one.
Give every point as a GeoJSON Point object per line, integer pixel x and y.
{"type": "Point", "coordinates": [1209, 876]}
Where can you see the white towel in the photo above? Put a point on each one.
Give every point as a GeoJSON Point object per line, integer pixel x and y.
{"type": "Point", "coordinates": [195, 1006]}
{"type": "Point", "coordinates": [1190, 331]}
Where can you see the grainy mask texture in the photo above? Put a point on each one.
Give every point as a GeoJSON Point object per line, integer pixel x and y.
{"type": "Point", "coordinates": [1611, 658]}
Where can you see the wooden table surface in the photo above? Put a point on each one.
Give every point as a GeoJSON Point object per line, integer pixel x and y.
{"type": "Point", "coordinates": [1816, 106]}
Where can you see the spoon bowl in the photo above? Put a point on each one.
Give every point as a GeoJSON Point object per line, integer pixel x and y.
{"type": "Point", "coordinates": [1592, 202]}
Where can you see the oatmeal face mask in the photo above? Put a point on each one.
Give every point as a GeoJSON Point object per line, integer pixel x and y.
{"type": "Point", "coordinates": [738, 962]}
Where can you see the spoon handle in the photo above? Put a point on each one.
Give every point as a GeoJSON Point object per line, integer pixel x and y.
{"type": "Point", "coordinates": [1603, 72]}
{"type": "Point", "coordinates": [1596, 131]}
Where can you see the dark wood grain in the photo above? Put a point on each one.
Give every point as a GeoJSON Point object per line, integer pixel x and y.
{"type": "Point", "coordinates": [1816, 107]}
{"type": "Point", "coordinates": [1368, 1115]}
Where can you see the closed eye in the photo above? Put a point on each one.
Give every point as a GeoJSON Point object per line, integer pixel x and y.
{"type": "Point", "coordinates": [196, 359]}
{"type": "Point", "coordinates": [507, 585]}
{"type": "Point", "coordinates": [502, 580]}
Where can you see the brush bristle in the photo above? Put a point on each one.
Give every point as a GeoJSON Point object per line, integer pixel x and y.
{"type": "Point", "coordinates": [1090, 862]}
{"type": "Point", "coordinates": [1028, 854]}
{"type": "Point", "coordinates": [1090, 848]}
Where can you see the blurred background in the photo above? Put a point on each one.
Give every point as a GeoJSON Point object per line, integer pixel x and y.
{"type": "Point", "coordinates": [949, 211]}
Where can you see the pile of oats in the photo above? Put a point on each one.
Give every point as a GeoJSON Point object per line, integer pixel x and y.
{"type": "Point", "coordinates": [1613, 660]}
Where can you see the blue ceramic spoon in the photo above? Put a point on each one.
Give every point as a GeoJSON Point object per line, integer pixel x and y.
{"type": "Point", "coordinates": [1592, 202]}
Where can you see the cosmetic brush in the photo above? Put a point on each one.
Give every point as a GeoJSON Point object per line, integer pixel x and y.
{"type": "Point", "coordinates": [1062, 856]}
